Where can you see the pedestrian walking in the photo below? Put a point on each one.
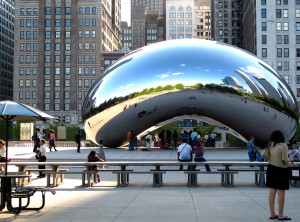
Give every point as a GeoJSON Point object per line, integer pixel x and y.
{"type": "Point", "coordinates": [78, 140]}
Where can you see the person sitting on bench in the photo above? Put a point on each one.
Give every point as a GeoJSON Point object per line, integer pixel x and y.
{"type": "Point", "coordinates": [184, 152]}
{"type": "Point", "coordinates": [93, 157]}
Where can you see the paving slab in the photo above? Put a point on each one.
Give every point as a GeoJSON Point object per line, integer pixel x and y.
{"type": "Point", "coordinates": [174, 202]}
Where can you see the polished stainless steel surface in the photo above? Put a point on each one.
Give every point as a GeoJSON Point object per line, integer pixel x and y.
{"type": "Point", "coordinates": [192, 78]}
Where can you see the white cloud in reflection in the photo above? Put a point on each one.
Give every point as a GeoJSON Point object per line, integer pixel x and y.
{"type": "Point", "coordinates": [162, 76]}
{"type": "Point", "coordinates": [182, 64]}
{"type": "Point", "coordinates": [126, 87]}
{"type": "Point", "coordinates": [177, 73]}
{"type": "Point", "coordinates": [254, 71]}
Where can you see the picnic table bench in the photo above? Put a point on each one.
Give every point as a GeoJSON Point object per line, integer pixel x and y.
{"type": "Point", "coordinates": [26, 193]}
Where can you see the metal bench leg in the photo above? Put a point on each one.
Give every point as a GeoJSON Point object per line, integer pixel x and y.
{"type": "Point", "coordinates": [48, 180]}
{"type": "Point", "coordinates": [83, 180]}
{"type": "Point", "coordinates": [157, 179]}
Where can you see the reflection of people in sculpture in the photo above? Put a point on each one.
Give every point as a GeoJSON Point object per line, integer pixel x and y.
{"type": "Point", "coordinates": [175, 138]}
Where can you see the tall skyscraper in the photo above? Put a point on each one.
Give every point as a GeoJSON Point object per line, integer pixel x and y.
{"type": "Point", "coordinates": [58, 49]}
{"type": "Point", "coordinates": [147, 22]}
{"type": "Point", "coordinates": [226, 21]}
{"type": "Point", "coordinates": [272, 32]}
{"type": "Point", "coordinates": [7, 8]}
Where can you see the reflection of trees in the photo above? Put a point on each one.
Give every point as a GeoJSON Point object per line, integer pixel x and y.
{"type": "Point", "coordinates": [224, 89]}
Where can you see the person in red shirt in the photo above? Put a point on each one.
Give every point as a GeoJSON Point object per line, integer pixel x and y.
{"type": "Point", "coordinates": [93, 157]}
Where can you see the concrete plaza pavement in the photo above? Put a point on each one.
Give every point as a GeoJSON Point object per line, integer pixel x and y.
{"type": "Point", "coordinates": [209, 202]}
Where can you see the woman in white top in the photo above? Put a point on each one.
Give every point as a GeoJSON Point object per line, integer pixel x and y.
{"type": "Point", "coordinates": [42, 157]}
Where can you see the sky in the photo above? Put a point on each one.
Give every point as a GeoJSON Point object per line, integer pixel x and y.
{"type": "Point", "coordinates": [125, 11]}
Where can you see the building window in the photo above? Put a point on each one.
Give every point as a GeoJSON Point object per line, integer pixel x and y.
{"type": "Point", "coordinates": [67, 83]}
{"type": "Point", "coordinates": [279, 39]}
{"type": "Point", "coordinates": [34, 95]}
{"type": "Point", "coordinates": [68, 35]}
{"type": "Point", "coordinates": [47, 95]}
{"type": "Point", "coordinates": [57, 58]}
{"type": "Point", "coordinates": [278, 13]}
{"type": "Point", "coordinates": [278, 26]}
{"type": "Point", "coordinates": [286, 26]}
{"type": "Point", "coordinates": [57, 46]}
{"type": "Point", "coordinates": [264, 13]}
{"type": "Point", "coordinates": [263, 2]}
{"type": "Point", "coordinates": [264, 52]}
{"type": "Point", "coordinates": [47, 35]}
{"type": "Point", "coordinates": [68, 58]}
{"type": "Point", "coordinates": [67, 95]}
{"type": "Point", "coordinates": [87, 22]}
{"type": "Point", "coordinates": [298, 65]}
{"type": "Point", "coordinates": [286, 39]}
{"type": "Point", "coordinates": [56, 107]}
{"type": "Point", "coordinates": [87, 10]}
{"type": "Point", "coordinates": [47, 82]}
{"type": "Point", "coordinates": [286, 52]}
{"type": "Point", "coordinates": [47, 71]}
{"type": "Point", "coordinates": [21, 83]}
{"type": "Point", "coordinates": [68, 10]}
{"type": "Point", "coordinates": [94, 11]}
{"type": "Point", "coordinates": [57, 70]}
{"type": "Point", "coordinates": [67, 108]}
{"type": "Point", "coordinates": [297, 52]}
{"type": "Point", "coordinates": [80, 10]}
{"type": "Point", "coordinates": [297, 26]}
{"type": "Point", "coordinates": [68, 22]}
{"type": "Point", "coordinates": [286, 78]}
{"type": "Point", "coordinates": [298, 79]}
{"type": "Point", "coordinates": [279, 66]}
{"type": "Point", "coordinates": [21, 95]}
{"type": "Point", "coordinates": [48, 11]}
{"type": "Point", "coordinates": [47, 107]}
{"type": "Point", "coordinates": [285, 13]}
{"type": "Point", "coordinates": [48, 22]}
{"type": "Point", "coordinates": [57, 35]}
{"type": "Point", "coordinates": [57, 22]}
{"type": "Point", "coordinates": [57, 94]}
{"type": "Point", "coordinates": [297, 39]}
{"type": "Point", "coordinates": [58, 10]}
{"type": "Point", "coordinates": [264, 39]}
{"type": "Point", "coordinates": [278, 2]}
{"type": "Point", "coordinates": [57, 82]}
{"type": "Point", "coordinates": [47, 58]}
{"type": "Point", "coordinates": [297, 13]}
{"type": "Point", "coordinates": [67, 71]}
{"type": "Point", "coordinates": [68, 46]}
{"type": "Point", "coordinates": [286, 66]}
{"type": "Point", "coordinates": [263, 26]}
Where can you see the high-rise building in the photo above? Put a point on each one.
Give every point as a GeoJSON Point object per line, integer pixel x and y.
{"type": "Point", "coordinates": [272, 32]}
{"type": "Point", "coordinates": [202, 19]}
{"type": "Point", "coordinates": [147, 22]}
{"type": "Point", "coordinates": [58, 49]}
{"type": "Point", "coordinates": [126, 35]}
{"type": "Point", "coordinates": [226, 19]}
{"type": "Point", "coordinates": [7, 8]}
{"type": "Point", "coordinates": [180, 19]}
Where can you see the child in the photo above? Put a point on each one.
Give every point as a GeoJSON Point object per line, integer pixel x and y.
{"type": "Point", "coordinates": [199, 152]}
{"type": "Point", "coordinates": [92, 157]}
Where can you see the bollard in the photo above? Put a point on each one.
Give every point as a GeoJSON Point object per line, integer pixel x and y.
{"type": "Point", "coordinates": [101, 150]}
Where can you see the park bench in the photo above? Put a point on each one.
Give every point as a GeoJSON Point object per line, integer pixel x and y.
{"type": "Point", "coordinates": [227, 177]}
{"type": "Point", "coordinates": [26, 193]}
{"type": "Point", "coordinates": [47, 172]}
{"type": "Point", "coordinates": [123, 176]}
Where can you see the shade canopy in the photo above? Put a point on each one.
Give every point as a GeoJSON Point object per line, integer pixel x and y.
{"type": "Point", "coordinates": [10, 110]}
{"type": "Point", "coordinates": [14, 111]}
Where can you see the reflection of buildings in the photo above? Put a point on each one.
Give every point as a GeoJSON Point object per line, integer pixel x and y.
{"type": "Point", "coordinates": [254, 88]}
{"type": "Point", "coordinates": [232, 81]}
{"type": "Point", "coordinates": [270, 90]}
{"type": "Point", "coordinates": [7, 9]}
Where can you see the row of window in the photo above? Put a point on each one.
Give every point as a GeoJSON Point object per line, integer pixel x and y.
{"type": "Point", "coordinates": [28, 46]}
{"type": "Point", "coordinates": [181, 22]}
{"type": "Point", "coordinates": [180, 36]}
{"type": "Point", "coordinates": [87, 34]}
{"type": "Point", "coordinates": [57, 22]}
{"type": "Point", "coordinates": [180, 15]}
{"type": "Point", "coordinates": [28, 34]}
{"type": "Point", "coordinates": [180, 8]}
{"type": "Point", "coordinates": [57, 10]}
{"type": "Point", "coordinates": [28, 11]}
{"type": "Point", "coordinates": [58, 58]}
{"type": "Point", "coordinates": [28, 22]}
{"type": "Point", "coordinates": [280, 2]}
{"type": "Point", "coordinates": [181, 29]}
{"type": "Point", "coordinates": [58, 70]}
{"type": "Point", "coordinates": [86, 58]}
{"type": "Point", "coordinates": [286, 52]}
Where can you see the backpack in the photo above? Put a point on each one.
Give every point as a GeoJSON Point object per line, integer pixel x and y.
{"type": "Point", "coordinates": [147, 140]}
{"type": "Point", "coordinates": [33, 137]}
{"type": "Point", "coordinates": [198, 151]}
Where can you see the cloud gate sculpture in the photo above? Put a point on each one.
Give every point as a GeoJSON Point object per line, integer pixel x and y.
{"type": "Point", "coordinates": [198, 79]}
